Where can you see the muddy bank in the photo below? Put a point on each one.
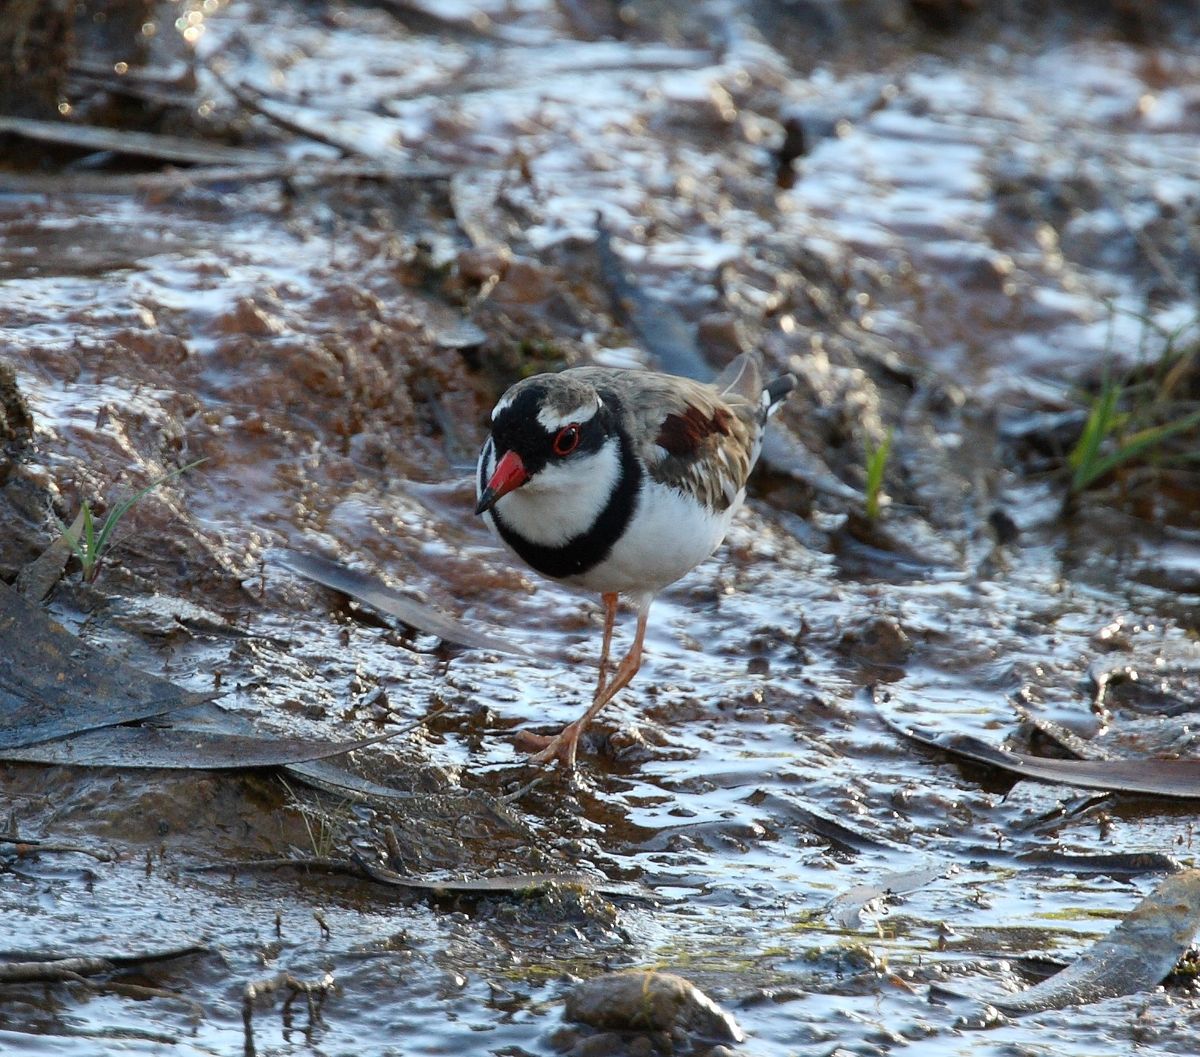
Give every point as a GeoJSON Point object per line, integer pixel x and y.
{"type": "Point", "coordinates": [980, 227]}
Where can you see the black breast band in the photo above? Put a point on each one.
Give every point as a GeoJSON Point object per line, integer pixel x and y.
{"type": "Point", "coordinates": [590, 548]}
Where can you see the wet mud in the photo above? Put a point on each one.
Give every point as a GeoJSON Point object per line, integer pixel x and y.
{"type": "Point", "coordinates": [953, 227]}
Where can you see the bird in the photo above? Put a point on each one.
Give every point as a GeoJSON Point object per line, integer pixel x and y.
{"type": "Point", "coordinates": [620, 481]}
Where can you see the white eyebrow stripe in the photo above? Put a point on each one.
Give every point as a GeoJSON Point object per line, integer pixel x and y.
{"type": "Point", "coordinates": [503, 402]}
{"type": "Point", "coordinates": [550, 421]}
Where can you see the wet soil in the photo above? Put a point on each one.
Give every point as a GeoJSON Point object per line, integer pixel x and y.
{"type": "Point", "coordinates": [982, 219]}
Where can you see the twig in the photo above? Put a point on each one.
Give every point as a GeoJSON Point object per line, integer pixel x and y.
{"type": "Point", "coordinates": [528, 787]}
{"type": "Point", "coordinates": [143, 144]}
{"type": "Point", "coordinates": [45, 970]}
{"type": "Point", "coordinates": [326, 932]}
{"type": "Point", "coordinates": [314, 992]}
{"type": "Point", "coordinates": [32, 845]}
{"type": "Point", "coordinates": [395, 855]}
{"type": "Point", "coordinates": [142, 991]}
{"type": "Point", "coordinates": [165, 87]}
{"type": "Point", "coordinates": [441, 710]}
{"type": "Point", "coordinates": [50, 972]}
{"type": "Point", "coordinates": [253, 101]}
{"type": "Point", "coordinates": [182, 179]}
{"type": "Point", "coordinates": [320, 865]}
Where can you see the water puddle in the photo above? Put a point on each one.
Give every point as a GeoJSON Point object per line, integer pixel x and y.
{"type": "Point", "coordinates": [974, 233]}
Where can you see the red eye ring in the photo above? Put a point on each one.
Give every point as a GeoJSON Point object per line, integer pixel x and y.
{"type": "Point", "coordinates": [566, 440]}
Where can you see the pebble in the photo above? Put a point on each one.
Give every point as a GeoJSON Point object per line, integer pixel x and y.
{"type": "Point", "coordinates": [651, 1002]}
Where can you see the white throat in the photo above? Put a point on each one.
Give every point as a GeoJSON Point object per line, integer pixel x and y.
{"type": "Point", "coordinates": [563, 500]}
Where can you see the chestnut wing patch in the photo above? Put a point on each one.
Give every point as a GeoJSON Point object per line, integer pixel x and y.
{"type": "Point", "coordinates": [682, 434]}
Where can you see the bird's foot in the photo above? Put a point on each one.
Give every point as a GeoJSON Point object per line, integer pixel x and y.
{"type": "Point", "coordinates": [547, 749]}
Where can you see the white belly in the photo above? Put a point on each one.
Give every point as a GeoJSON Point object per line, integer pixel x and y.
{"type": "Point", "coordinates": [668, 536]}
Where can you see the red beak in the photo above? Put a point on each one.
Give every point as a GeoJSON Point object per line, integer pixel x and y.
{"type": "Point", "coordinates": [510, 473]}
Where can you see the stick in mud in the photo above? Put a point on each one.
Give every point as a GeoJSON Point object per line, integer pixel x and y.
{"type": "Point", "coordinates": [314, 992]}
{"type": "Point", "coordinates": [33, 846]}
{"type": "Point", "coordinates": [47, 969]}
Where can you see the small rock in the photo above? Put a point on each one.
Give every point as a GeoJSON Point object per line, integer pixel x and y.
{"type": "Point", "coordinates": [603, 1045]}
{"type": "Point", "coordinates": [484, 264]}
{"type": "Point", "coordinates": [650, 1001]}
{"type": "Point", "coordinates": [876, 640]}
{"type": "Point", "coordinates": [990, 272]}
{"type": "Point", "coordinates": [526, 282]}
{"type": "Point", "coordinates": [246, 317]}
{"type": "Point", "coordinates": [1005, 528]}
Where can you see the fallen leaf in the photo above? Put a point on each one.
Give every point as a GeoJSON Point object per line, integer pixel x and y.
{"type": "Point", "coordinates": [375, 593]}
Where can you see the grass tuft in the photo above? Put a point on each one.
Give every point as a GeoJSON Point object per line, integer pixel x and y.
{"type": "Point", "coordinates": [1141, 419]}
{"type": "Point", "coordinates": [90, 542]}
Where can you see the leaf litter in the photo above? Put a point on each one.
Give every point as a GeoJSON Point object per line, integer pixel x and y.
{"type": "Point", "coordinates": [53, 686]}
{"type": "Point", "coordinates": [1176, 778]}
{"type": "Point", "coordinates": [1136, 956]}
{"type": "Point", "coordinates": [802, 728]}
{"type": "Point", "coordinates": [374, 592]}
{"type": "Point", "coordinates": [63, 702]}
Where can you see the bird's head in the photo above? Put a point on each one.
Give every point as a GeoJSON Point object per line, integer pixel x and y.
{"type": "Point", "coordinates": [546, 433]}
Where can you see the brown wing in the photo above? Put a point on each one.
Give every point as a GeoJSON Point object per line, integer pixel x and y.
{"type": "Point", "coordinates": [699, 438]}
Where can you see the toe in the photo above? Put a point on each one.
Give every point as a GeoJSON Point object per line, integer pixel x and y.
{"type": "Point", "coordinates": [561, 747]}
{"type": "Point", "coordinates": [527, 741]}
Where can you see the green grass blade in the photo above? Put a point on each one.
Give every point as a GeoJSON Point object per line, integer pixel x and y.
{"type": "Point", "coordinates": [1143, 441]}
{"type": "Point", "coordinates": [89, 529]}
{"type": "Point", "coordinates": [877, 459]}
{"type": "Point", "coordinates": [125, 505]}
{"type": "Point", "coordinates": [72, 534]}
{"type": "Point", "coordinates": [1101, 421]}
{"type": "Point", "coordinates": [91, 554]}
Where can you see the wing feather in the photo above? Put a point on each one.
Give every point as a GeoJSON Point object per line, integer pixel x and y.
{"type": "Point", "coordinates": [702, 438]}
{"type": "Point", "coordinates": [698, 438]}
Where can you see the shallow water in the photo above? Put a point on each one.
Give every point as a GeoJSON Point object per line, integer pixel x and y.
{"type": "Point", "coordinates": [997, 222]}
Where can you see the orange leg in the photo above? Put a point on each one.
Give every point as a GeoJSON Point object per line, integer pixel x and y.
{"type": "Point", "coordinates": [563, 745]}
{"type": "Point", "coordinates": [610, 619]}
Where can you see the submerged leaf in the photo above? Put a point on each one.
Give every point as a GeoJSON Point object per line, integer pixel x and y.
{"type": "Point", "coordinates": [375, 593]}
{"type": "Point", "coordinates": [519, 885]}
{"type": "Point", "coordinates": [53, 685]}
{"type": "Point", "coordinates": [63, 702]}
{"type": "Point", "coordinates": [178, 748]}
{"type": "Point", "coordinates": [1134, 957]}
{"type": "Point", "coordinates": [1155, 777]}
{"type": "Point", "coordinates": [848, 908]}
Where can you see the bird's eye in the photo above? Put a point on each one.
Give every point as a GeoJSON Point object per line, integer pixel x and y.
{"type": "Point", "coordinates": [566, 440]}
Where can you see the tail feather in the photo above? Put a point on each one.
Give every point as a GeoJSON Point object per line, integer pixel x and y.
{"type": "Point", "coordinates": [741, 377]}
{"type": "Point", "coordinates": [776, 391]}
